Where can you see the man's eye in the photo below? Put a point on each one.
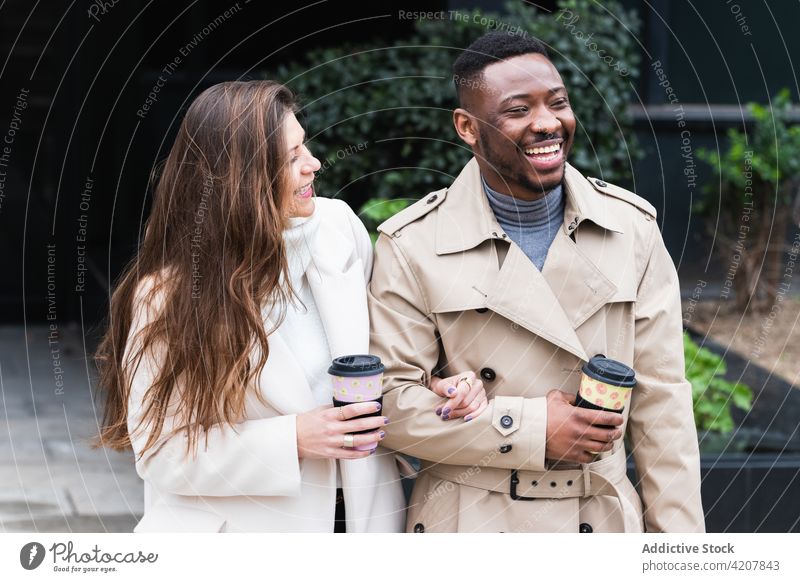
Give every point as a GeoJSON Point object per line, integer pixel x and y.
{"type": "Point", "coordinates": [521, 109]}
{"type": "Point", "coordinates": [560, 103]}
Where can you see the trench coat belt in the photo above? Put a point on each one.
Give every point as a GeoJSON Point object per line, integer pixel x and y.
{"type": "Point", "coordinates": [551, 484]}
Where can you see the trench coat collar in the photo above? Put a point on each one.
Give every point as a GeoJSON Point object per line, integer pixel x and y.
{"type": "Point", "coordinates": [570, 288]}
{"type": "Point", "coordinates": [466, 219]}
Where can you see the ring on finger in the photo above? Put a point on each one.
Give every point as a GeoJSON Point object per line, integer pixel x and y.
{"type": "Point", "coordinates": [467, 381]}
{"type": "Point", "coordinates": [341, 414]}
{"type": "Point", "coordinates": [348, 441]}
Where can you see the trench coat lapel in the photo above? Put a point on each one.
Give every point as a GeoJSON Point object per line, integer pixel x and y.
{"type": "Point", "coordinates": [579, 283]}
{"type": "Point", "coordinates": [553, 303]}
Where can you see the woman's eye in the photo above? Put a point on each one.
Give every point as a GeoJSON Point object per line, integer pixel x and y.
{"type": "Point", "coordinates": [521, 109]}
{"type": "Point", "coordinates": [560, 103]}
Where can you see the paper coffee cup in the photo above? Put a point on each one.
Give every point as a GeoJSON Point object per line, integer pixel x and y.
{"type": "Point", "coordinates": [357, 378]}
{"type": "Point", "coordinates": [606, 384]}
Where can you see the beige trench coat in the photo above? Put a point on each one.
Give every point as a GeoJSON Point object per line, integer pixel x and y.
{"type": "Point", "coordinates": [451, 292]}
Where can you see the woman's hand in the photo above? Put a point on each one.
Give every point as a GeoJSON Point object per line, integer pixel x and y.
{"type": "Point", "coordinates": [321, 432]}
{"type": "Point", "coordinates": [464, 396]}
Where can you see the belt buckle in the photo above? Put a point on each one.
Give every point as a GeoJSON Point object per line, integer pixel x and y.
{"type": "Point", "coordinates": [513, 490]}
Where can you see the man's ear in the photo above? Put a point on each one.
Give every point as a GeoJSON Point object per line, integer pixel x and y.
{"type": "Point", "coordinates": [466, 126]}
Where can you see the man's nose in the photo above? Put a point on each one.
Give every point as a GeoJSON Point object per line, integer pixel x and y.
{"type": "Point", "coordinates": [545, 122]}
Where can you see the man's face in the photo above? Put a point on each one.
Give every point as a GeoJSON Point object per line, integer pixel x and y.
{"type": "Point", "coordinates": [524, 124]}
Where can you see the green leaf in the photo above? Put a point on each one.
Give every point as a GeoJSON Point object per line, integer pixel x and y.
{"type": "Point", "coordinates": [712, 394]}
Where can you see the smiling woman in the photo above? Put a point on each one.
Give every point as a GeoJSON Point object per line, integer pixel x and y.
{"type": "Point", "coordinates": [222, 329]}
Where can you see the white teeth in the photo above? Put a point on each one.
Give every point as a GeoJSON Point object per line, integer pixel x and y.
{"type": "Point", "coordinates": [544, 150]}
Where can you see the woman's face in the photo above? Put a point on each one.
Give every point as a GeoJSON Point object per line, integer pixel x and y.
{"type": "Point", "coordinates": [302, 166]}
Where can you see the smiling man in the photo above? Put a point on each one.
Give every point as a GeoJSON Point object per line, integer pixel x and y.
{"type": "Point", "coordinates": [522, 270]}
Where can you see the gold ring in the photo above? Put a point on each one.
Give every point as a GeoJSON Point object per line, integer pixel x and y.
{"type": "Point", "coordinates": [467, 380]}
{"type": "Point", "coordinates": [341, 413]}
{"type": "Point", "coordinates": [348, 441]}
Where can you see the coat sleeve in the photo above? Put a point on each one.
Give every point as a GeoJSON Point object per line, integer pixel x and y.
{"type": "Point", "coordinates": [661, 423]}
{"type": "Point", "coordinates": [405, 336]}
{"type": "Point", "coordinates": [254, 457]}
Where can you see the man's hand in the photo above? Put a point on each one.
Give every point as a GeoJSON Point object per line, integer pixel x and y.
{"type": "Point", "coordinates": [572, 432]}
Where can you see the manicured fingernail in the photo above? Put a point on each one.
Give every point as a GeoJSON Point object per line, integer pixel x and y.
{"type": "Point", "coordinates": [467, 418]}
{"type": "Point", "coordinates": [446, 411]}
{"type": "Point", "coordinates": [438, 411]}
{"type": "Point", "coordinates": [372, 452]}
{"type": "Point", "coordinates": [382, 434]}
{"type": "Point", "coordinates": [445, 417]}
{"type": "Point", "coordinates": [377, 406]}
{"type": "Point", "coordinates": [385, 420]}
{"type": "Point", "coordinates": [451, 390]}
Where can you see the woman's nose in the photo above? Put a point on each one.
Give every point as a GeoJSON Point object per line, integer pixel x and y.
{"type": "Point", "coordinates": [311, 164]}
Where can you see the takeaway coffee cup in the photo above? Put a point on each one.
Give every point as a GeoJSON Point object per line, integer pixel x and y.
{"type": "Point", "coordinates": [357, 378]}
{"type": "Point", "coordinates": [606, 384]}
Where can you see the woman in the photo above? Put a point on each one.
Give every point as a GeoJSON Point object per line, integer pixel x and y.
{"type": "Point", "coordinates": [222, 329]}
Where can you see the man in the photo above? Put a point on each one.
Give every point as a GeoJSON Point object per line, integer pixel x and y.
{"type": "Point", "coordinates": [522, 270]}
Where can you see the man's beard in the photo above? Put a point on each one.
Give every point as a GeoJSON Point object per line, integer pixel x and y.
{"type": "Point", "coordinates": [509, 173]}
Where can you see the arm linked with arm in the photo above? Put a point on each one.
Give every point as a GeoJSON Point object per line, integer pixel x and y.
{"type": "Point", "coordinates": [404, 335]}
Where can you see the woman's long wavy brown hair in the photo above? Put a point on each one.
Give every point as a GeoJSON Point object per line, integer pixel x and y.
{"type": "Point", "coordinates": [212, 257]}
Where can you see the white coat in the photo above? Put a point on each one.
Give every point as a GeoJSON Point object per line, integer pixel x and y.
{"type": "Point", "coordinates": [249, 478]}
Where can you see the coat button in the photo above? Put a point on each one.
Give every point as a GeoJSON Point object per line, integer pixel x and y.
{"type": "Point", "coordinates": [419, 528]}
{"type": "Point", "coordinates": [432, 199]}
{"type": "Point", "coordinates": [585, 528]}
{"type": "Point", "coordinates": [600, 183]}
{"type": "Point", "coordinates": [482, 309]}
{"type": "Point", "coordinates": [506, 421]}
{"type": "Point", "coordinates": [488, 374]}
{"type": "Point", "coordinates": [505, 448]}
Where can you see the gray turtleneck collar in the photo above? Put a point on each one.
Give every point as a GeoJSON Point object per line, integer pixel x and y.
{"type": "Point", "coordinates": [531, 224]}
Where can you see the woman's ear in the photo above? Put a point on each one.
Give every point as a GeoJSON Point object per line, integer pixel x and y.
{"type": "Point", "coordinates": [466, 126]}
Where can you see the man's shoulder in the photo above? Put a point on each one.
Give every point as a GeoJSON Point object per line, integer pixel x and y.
{"type": "Point", "coordinates": [413, 213]}
{"type": "Point", "coordinates": [619, 193]}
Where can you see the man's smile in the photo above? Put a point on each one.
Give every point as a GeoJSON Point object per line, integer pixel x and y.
{"type": "Point", "coordinates": [545, 155]}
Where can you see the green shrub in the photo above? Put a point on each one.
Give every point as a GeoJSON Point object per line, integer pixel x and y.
{"type": "Point", "coordinates": [380, 117]}
{"type": "Point", "coordinates": [713, 396]}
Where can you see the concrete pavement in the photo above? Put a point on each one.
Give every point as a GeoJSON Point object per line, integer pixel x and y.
{"type": "Point", "coordinates": [51, 479]}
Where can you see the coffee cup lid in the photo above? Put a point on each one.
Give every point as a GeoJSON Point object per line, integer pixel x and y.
{"type": "Point", "coordinates": [610, 371]}
{"type": "Point", "coordinates": [356, 365]}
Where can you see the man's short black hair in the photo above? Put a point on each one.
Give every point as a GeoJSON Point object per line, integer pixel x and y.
{"type": "Point", "coordinates": [490, 48]}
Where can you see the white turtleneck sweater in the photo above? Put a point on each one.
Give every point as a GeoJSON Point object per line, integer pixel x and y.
{"type": "Point", "coordinates": [302, 327]}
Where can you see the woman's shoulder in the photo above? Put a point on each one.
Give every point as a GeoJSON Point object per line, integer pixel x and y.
{"type": "Point", "coordinates": [150, 295]}
{"type": "Point", "coordinates": [337, 213]}
{"type": "Point", "coordinates": [333, 207]}
{"type": "Point", "coordinates": [338, 217]}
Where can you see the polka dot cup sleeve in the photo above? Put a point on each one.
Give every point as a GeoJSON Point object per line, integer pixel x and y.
{"type": "Point", "coordinates": [357, 378]}
{"type": "Point", "coordinates": [606, 384]}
